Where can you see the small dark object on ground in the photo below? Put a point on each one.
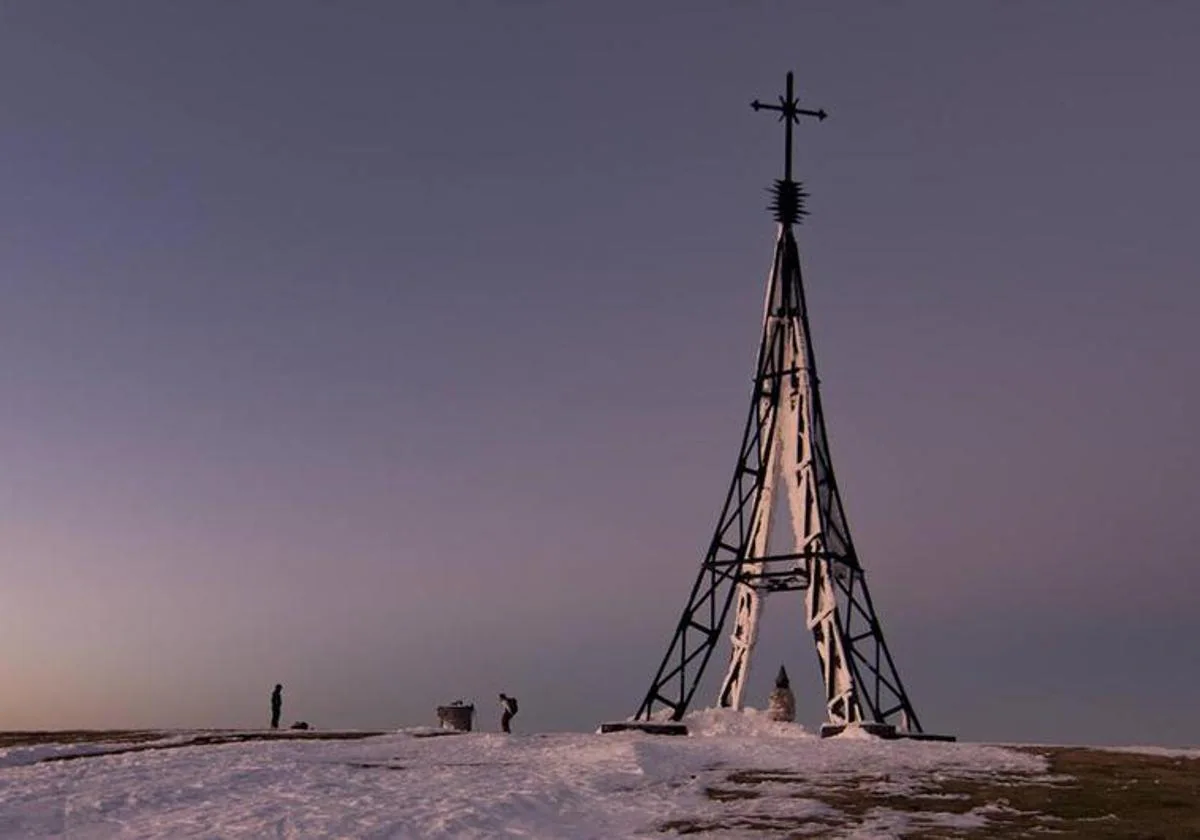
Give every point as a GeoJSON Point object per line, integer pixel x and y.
{"type": "Point", "coordinates": [437, 733]}
{"type": "Point", "coordinates": [300, 724]}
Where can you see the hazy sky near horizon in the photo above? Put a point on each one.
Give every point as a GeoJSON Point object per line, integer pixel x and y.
{"type": "Point", "coordinates": [399, 352]}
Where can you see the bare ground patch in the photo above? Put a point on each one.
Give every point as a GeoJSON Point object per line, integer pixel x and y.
{"type": "Point", "coordinates": [121, 741]}
{"type": "Point", "coordinates": [80, 736]}
{"type": "Point", "coordinates": [1087, 794]}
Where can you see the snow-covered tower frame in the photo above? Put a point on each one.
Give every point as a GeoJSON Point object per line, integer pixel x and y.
{"type": "Point", "coordinates": [785, 450]}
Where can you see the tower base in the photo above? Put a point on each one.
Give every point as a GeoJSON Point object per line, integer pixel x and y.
{"type": "Point", "coordinates": [649, 727]}
{"type": "Point", "coordinates": [881, 730]}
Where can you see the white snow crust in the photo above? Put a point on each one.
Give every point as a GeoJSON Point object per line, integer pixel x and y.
{"type": "Point", "coordinates": [476, 785]}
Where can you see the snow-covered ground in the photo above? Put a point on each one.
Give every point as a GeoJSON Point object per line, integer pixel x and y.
{"type": "Point", "coordinates": [478, 785]}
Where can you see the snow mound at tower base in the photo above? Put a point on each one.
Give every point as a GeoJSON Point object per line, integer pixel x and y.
{"type": "Point", "coordinates": [746, 723]}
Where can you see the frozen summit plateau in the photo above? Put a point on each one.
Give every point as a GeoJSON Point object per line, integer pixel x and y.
{"type": "Point", "coordinates": [468, 785]}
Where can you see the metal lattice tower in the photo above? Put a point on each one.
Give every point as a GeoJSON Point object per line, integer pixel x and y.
{"type": "Point", "coordinates": [785, 450]}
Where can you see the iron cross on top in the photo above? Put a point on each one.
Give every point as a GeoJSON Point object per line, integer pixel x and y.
{"type": "Point", "coordinates": [789, 111]}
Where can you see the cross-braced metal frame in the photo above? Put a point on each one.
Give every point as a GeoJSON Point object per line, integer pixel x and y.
{"type": "Point", "coordinates": [784, 441]}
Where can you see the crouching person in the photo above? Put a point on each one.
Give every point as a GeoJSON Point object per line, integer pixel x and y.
{"type": "Point", "coordinates": [508, 708]}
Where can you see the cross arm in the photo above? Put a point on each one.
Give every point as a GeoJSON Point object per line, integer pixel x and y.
{"type": "Point", "coordinates": [787, 110]}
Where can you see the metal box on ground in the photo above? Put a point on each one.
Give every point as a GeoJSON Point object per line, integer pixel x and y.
{"type": "Point", "coordinates": [458, 716]}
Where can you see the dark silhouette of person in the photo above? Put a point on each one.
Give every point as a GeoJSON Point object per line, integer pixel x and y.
{"type": "Point", "coordinates": [508, 706]}
{"type": "Point", "coordinates": [276, 705]}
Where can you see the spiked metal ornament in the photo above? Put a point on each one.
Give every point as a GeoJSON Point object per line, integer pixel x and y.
{"type": "Point", "coordinates": [784, 449]}
{"type": "Point", "coordinates": [787, 204]}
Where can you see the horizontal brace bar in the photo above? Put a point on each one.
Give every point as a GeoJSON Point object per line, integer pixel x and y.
{"type": "Point", "coordinates": [780, 558]}
{"type": "Point", "coordinates": [779, 374]}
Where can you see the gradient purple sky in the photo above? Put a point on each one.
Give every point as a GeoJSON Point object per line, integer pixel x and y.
{"type": "Point", "coordinates": [399, 353]}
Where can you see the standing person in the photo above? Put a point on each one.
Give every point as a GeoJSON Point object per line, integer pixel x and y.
{"type": "Point", "coordinates": [508, 706]}
{"type": "Point", "coordinates": [276, 705]}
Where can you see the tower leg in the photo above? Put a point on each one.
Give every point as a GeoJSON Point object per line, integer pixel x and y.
{"type": "Point", "coordinates": [745, 634]}
{"type": "Point", "coordinates": [821, 608]}
{"type": "Point", "coordinates": [809, 519]}
{"type": "Point", "coordinates": [749, 600]}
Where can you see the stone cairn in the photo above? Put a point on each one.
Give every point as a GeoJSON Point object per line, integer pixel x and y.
{"type": "Point", "coordinates": [781, 705]}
